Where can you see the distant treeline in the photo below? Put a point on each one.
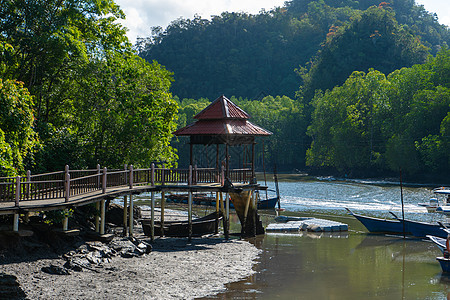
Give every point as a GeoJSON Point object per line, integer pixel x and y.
{"type": "Point", "coordinates": [253, 56]}
{"type": "Point", "coordinates": [370, 98]}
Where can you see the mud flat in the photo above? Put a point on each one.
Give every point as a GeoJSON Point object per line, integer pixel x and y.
{"type": "Point", "coordinates": [174, 269]}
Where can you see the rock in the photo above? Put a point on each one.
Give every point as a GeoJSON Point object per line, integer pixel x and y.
{"type": "Point", "coordinates": [10, 288]}
{"type": "Point", "coordinates": [52, 269]}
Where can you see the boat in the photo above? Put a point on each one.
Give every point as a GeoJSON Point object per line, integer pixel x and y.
{"type": "Point", "coordinates": [439, 242]}
{"type": "Point", "coordinates": [203, 199]}
{"type": "Point", "coordinates": [434, 206]}
{"type": "Point", "coordinates": [445, 264]}
{"type": "Point", "coordinates": [430, 206]}
{"type": "Point", "coordinates": [200, 226]}
{"type": "Point", "coordinates": [422, 229]}
{"type": "Point", "coordinates": [377, 225]}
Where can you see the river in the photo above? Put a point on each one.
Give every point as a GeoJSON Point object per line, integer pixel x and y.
{"type": "Point", "coordinates": [348, 265]}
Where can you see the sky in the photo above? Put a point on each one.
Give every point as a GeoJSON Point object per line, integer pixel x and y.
{"type": "Point", "coordinates": [141, 15]}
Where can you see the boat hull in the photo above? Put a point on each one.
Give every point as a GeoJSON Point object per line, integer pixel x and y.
{"type": "Point", "coordinates": [377, 225]}
{"type": "Point", "coordinates": [200, 226]}
{"type": "Point", "coordinates": [421, 229]}
{"type": "Point", "coordinates": [211, 201]}
{"type": "Point", "coordinates": [445, 264]}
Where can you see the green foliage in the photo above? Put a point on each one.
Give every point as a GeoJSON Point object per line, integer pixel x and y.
{"type": "Point", "coordinates": [252, 56]}
{"type": "Point", "coordinates": [373, 122]}
{"type": "Point", "coordinates": [55, 217]}
{"type": "Point", "coordinates": [17, 136]}
{"type": "Point", "coordinates": [373, 40]}
{"type": "Point", "coordinates": [95, 101]}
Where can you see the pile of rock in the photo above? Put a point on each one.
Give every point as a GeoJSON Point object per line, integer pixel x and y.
{"type": "Point", "coordinates": [94, 255]}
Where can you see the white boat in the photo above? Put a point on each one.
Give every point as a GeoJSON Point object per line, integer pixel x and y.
{"type": "Point", "coordinates": [440, 203]}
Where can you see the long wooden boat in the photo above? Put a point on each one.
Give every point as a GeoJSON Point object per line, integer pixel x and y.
{"type": "Point", "coordinates": [377, 225]}
{"type": "Point", "coordinates": [439, 242]}
{"type": "Point", "coordinates": [200, 226]}
{"type": "Point", "coordinates": [203, 199]}
{"type": "Point", "coordinates": [422, 229]}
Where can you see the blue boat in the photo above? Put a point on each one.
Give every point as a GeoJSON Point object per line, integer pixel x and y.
{"type": "Point", "coordinates": [445, 264]}
{"type": "Point", "coordinates": [377, 225]}
{"type": "Point", "coordinates": [422, 229]}
{"type": "Point", "coordinates": [439, 242]}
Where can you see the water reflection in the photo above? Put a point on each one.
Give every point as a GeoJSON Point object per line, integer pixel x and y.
{"type": "Point", "coordinates": [351, 265]}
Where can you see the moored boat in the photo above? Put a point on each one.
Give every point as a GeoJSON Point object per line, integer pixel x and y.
{"type": "Point", "coordinates": [200, 226]}
{"type": "Point", "coordinates": [377, 225]}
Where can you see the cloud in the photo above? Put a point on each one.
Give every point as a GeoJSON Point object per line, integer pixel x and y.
{"type": "Point", "coordinates": [141, 15]}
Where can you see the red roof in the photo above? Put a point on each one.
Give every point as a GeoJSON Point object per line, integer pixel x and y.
{"type": "Point", "coordinates": [223, 127]}
{"type": "Point", "coordinates": [222, 108]}
{"type": "Point", "coordinates": [222, 117]}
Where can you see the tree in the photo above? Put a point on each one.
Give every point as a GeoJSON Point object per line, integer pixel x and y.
{"type": "Point", "coordinates": [17, 137]}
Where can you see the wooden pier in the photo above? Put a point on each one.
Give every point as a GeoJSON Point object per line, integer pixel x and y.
{"type": "Point", "coordinates": [73, 188]}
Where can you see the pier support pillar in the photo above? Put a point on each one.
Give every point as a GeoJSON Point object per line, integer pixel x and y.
{"type": "Point", "coordinates": [102, 217]}
{"type": "Point", "coordinates": [163, 201]}
{"type": "Point", "coordinates": [152, 222]}
{"type": "Point", "coordinates": [227, 216]}
{"type": "Point", "coordinates": [131, 225]}
{"type": "Point", "coordinates": [97, 217]}
{"type": "Point", "coordinates": [125, 215]}
{"type": "Point", "coordinates": [190, 216]}
{"type": "Point", "coordinates": [65, 223]}
{"type": "Point", "coordinates": [16, 223]}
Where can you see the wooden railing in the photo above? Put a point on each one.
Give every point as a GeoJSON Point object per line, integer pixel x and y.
{"type": "Point", "coordinates": [70, 183]}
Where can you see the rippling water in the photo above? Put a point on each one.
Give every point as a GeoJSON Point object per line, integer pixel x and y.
{"type": "Point", "coordinates": [376, 198]}
{"type": "Point", "coordinates": [349, 265]}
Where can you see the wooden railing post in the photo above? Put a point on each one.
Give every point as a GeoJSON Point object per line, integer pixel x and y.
{"type": "Point", "coordinates": [67, 187]}
{"type": "Point", "coordinates": [105, 170]}
{"type": "Point", "coordinates": [152, 178]}
{"type": "Point", "coordinates": [28, 184]}
{"type": "Point", "coordinates": [190, 175]}
{"type": "Point", "coordinates": [195, 176]}
{"type": "Point", "coordinates": [131, 177]}
{"type": "Point", "coordinates": [67, 184]}
{"type": "Point", "coordinates": [125, 167]}
{"type": "Point", "coordinates": [17, 199]}
{"type": "Point", "coordinates": [99, 171]}
{"type": "Point", "coordinates": [163, 171]}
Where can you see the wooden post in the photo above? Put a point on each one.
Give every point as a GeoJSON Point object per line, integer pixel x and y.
{"type": "Point", "coordinates": [227, 167]}
{"type": "Point", "coordinates": [152, 222]}
{"type": "Point", "coordinates": [131, 177]}
{"type": "Point", "coordinates": [16, 223]}
{"type": "Point", "coordinates": [163, 200]}
{"type": "Point", "coordinates": [97, 217]}
{"type": "Point", "coordinates": [125, 215]}
{"type": "Point", "coordinates": [65, 221]}
{"type": "Point", "coordinates": [190, 215]}
{"type": "Point", "coordinates": [227, 229]}
{"type": "Point", "coordinates": [104, 182]}
{"type": "Point", "coordinates": [67, 188]}
{"type": "Point", "coordinates": [131, 225]}
{"type": "Point", "coordinates": [28, 183]}
{"type": "Point", "coordinates": [99, 181]}
{"type": "Point", "coordinates": [216, 229]}
{"type": "Point", "coordinates": [244, 225]}
{"type": "Point", "coordinates": [125, 167]}
{"type": "Point", "coordinates": [152, 180]}
{"type": "Point", "coordinates": [195, 176]}
{"type": "Point", "coordinates": [253, 161]}
{"type": "Point", "coordinates": [102, 216]}
{"type": "Point", "coordinates": [17, 198]}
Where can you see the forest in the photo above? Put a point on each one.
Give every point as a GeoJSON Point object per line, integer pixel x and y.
{"type": "Point", "coordinates": [313, 73]}
{"type": "Point", "coordinates": [357, 88]}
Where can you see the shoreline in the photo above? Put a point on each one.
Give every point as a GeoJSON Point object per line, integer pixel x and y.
{"type": "Point", "coordinates": [174, 269]}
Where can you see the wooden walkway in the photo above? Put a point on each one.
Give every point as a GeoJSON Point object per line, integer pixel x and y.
{"type": "Point", "coordinates": [73, 188]}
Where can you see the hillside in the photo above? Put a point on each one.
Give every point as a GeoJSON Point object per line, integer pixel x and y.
{"type": "Point", "coordinates": [252, 56]}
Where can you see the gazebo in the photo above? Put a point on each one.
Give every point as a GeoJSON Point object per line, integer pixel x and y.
{"type": "Point", "coordinates": [224, 123]}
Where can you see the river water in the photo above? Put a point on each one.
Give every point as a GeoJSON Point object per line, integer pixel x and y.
{"type": "Point", "coordinates": [347, 265]}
